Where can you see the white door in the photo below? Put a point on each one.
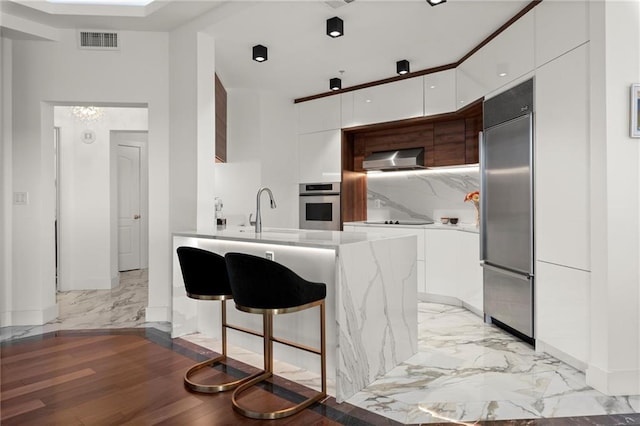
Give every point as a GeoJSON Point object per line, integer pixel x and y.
{"type": "Point", "coordinates": [128, 207]}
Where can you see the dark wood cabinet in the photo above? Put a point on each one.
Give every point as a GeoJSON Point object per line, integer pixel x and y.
{"type": "Point", "coordinates": [221, 122]}
{"type": "Point", "coordinates": [449, 143]}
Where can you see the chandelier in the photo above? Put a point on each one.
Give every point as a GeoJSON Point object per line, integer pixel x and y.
{"type": "Point", "coordinates": [87, 113]}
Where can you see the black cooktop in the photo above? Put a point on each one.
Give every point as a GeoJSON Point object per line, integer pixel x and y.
{"type": "Point", "coordinates": [400, 222]}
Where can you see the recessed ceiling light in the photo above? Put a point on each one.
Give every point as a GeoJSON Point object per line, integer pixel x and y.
{"type": "Point", "coordinates": [436, 2]}
{"type": "Point", "coordinates": [432, 87]}
{"type": "Point", "coordinates": [368, 101]}
{"type": "Point", "coordinates": [105, 2]}
{"type": "Point", "coordinates": [502, 74]}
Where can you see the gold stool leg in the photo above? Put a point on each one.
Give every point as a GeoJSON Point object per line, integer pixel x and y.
{"type": "Point", "coordinates": [221, 387]}
{"type": "Point", "coordinates": [268, 365]}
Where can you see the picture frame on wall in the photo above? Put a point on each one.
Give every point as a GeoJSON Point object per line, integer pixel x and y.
{"type": "Point", "coordinates": [635, 110]}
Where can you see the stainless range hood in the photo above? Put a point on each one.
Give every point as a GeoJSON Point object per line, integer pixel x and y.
{"type": "Point", "coordinates": [400, 159]}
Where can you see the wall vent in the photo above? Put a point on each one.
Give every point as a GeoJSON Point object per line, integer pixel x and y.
{"type": "Point", "coordinates": [100, 40]}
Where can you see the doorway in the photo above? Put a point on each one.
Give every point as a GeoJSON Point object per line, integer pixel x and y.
{"type": "Point", "coordinates": [87, 224]}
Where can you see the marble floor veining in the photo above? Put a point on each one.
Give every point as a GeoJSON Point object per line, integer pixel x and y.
{"type": "Point", "coordinates": [120, 307]}
{"type": "Point", "coordinates": [468, 371]}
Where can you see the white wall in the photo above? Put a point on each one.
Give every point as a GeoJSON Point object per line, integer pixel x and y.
{"type": "Point", "coordinates": [86, 205]}
{"type": "Point", "coordinates": [261, 151]}
{"type": "Point", "coordinates": [45, 73]}
{"type": "Point", "coordinates": [614, 364]}
{"type": "Point", "coordinates": [5, 180]}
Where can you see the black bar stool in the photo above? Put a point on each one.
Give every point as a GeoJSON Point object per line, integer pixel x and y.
{"type": "Point", "coordinates": [205, 278]}
{"type": "Point", "coordinates": [262, 286]}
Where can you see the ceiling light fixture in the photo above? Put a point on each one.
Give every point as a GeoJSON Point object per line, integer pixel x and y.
{"type": "Point", "coordinates": [335, 84]}
{"type": "Point", "coordinates": [436, 2]}
{"type": "Point", "coordinates": [87, 113]}
{"type": "Point", "coordinates": [335, 27]}
{"type": "Point", "coordinates": [402, 67]}
{"type": "Point", "coordinates": [259, 53]}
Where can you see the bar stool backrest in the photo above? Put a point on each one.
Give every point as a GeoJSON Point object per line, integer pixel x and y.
{"type": "Point", "coordinates": [204, 273]}
{"type": "Point", "coordinates": [259, 283]}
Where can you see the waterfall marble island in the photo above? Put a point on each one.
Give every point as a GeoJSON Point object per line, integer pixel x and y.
{"type": "Point", "coordinates": [371, 308]}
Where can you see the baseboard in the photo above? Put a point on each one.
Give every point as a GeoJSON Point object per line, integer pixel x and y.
{"type": "Point", "coordinates": [34, 317]}
{"type": "Point", "coordinates": [115, 281]}
{"type": "Point", "coordinates": [5, 319]}
{"type": "Point", "coordinates": [614, 383]}
{"type": "Point", "coordinates": [542, 346]}
{"type": "Point", "coordinates": [157, 314]}
{"type": "Point", "coordinates": [473, 310]}
{"type": "Point", "coordinates": [437, 298]}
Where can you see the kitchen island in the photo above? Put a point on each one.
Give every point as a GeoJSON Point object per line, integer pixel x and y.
{"type": "Point", "coordinates": [371, 309]}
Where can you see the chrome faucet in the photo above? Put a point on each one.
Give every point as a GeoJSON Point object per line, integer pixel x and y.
{"type": "Point", "coordinates": [258, 216]}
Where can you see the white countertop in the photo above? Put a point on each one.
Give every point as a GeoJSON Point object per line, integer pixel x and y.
{"type": "Point", "coordinates": [464, 227]}
{"type": "Point", "coordinates": [292, 237]}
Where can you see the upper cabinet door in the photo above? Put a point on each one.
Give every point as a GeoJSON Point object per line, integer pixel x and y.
{"type": "Point", "coordinates": [506, 58]}
{"type": "Point", "coordinates": [320, 159]}
{"type": "Point", "coordinates": [319, 114]}
{"type": "Point", "coordinates": [440, 92]}
{"type": "Point", "coordinates": [387, 102]}
{"type": "Point", "coordinates": [560, 27]}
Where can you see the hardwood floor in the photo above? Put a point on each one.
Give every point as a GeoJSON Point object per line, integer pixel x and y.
{"type": "Point", "coordinates": [134, 376]}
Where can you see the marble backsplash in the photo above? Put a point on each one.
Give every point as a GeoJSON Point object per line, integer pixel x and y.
{"type": "Point", "coordinates": [422, 195]}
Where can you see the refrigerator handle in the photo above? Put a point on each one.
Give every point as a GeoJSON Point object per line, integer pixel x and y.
{"type": "Point", "coordinates": [482, 197]}
{"type": "Point", "coordinates": [521, 276]}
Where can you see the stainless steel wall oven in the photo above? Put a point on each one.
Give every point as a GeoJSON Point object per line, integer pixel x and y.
{"type": "Point", "coordinates": [320, 206]}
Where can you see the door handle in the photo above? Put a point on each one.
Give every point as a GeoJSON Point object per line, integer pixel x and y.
{"type": "Point", "coordinates": [136, 216]}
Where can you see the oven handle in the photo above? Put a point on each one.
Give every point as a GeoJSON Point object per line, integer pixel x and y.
{"type": "Point", "coordinates": [321, 194]}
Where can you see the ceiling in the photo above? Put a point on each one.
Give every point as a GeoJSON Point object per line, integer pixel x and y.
{"type": "Point", "coordinates": [302, 58]}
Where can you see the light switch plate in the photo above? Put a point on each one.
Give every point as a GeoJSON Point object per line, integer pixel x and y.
{"type": "Point", "coordinates": [20, 198]}
{"type": "Point", "coordinates": [270, 255]}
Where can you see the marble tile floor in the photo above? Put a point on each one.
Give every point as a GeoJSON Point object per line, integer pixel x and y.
{"type": "Point", "coordinates": [121, 307]}
{"type": "Point", "coordinates": [467, 372]}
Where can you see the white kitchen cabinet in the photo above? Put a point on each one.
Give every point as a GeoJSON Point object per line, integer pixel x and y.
{"type": "Point", "coordinates": [387, 102]}
{"type": "Point", "coordinates": [506, 58]}
{"type": "Point", "coordinates": [470, 281]}
{"type": "Point", "coordinates": [452, 265]}
{"type": "Point", "coordinates": [441, 262]}
{"type": "Point", "coordinates": [319, 157]}
{"type": "Point", "coordinates": [440, 92]}
{"type": "Point", "coordinates": [319, 114]}
{"type": "Point", "coordinates": [562, 161]}
{"type": "Point", "coordinates": [562, 307]}
{"type": "Point", "coordinates": [559, 27]}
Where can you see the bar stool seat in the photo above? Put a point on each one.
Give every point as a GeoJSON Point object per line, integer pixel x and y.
{"type": "Point", "coordinates": [205, 278]}
{"type": "Point", "coordinates": [262, 286]}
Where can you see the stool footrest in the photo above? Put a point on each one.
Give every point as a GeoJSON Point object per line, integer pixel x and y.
{"type": "Point", "coordinates": [270, 415]}
{"type": "Point", "coordinates": [212, 388]}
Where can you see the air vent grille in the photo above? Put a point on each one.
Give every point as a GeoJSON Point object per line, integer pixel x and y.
{"type": "Point", "coordinates": [98, 40]}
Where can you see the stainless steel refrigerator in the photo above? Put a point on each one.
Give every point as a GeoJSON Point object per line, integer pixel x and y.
{"type": "Point", "coordinates": [506, 210]}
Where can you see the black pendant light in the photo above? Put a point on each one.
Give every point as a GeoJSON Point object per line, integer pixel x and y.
{"type": "Point", "coordinates": [402, 67]}
{"type": "Point", "coordinates": [259, 53]}
{"type": "Point", "coordinates": [436, 2]}
{"type": "Point", "coordinates": [335, 27]}
{"type": "Point", "coordinates": [335, 84]}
